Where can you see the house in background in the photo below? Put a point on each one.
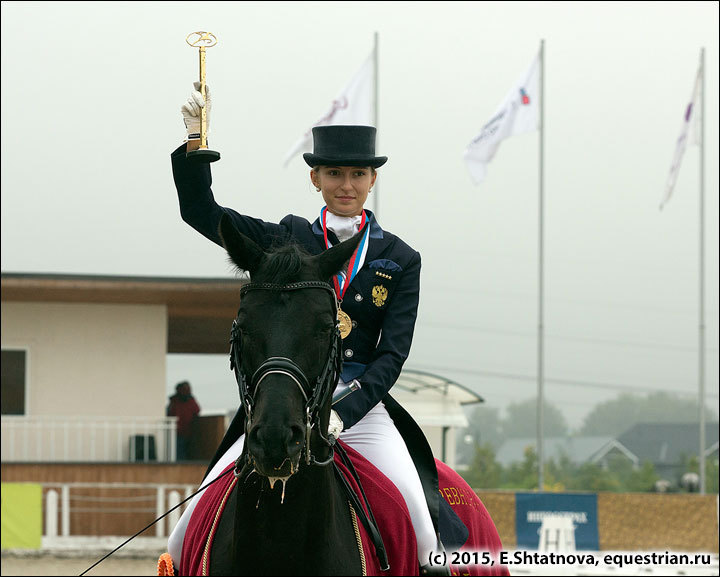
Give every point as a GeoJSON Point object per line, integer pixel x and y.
{"type": "Point", "coordinates": [668, 445]}
{"type": "Point", "coordinates": [84, 368]}
{"type": "Point", "coordinates": [594, 449]}
{"type": "Point", "coordinates": [84, 361]}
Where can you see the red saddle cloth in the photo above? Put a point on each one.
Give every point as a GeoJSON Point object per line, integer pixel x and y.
{"type": "Point", "coordinates": [483, 538]}
{"type": "Point", "coordinates": [390, 512]}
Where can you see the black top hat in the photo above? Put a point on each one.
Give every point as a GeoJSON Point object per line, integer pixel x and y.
{"type": "Point", "coordinates": [344, 145]}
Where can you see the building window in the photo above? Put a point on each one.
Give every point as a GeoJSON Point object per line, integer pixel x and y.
{"type": "Point", "coordinates": [12, 385]}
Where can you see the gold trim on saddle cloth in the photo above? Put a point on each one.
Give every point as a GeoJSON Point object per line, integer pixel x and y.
{"type": "Point", "coordinates": [353, 516]}
{"type": "Point", "coordinates": [208, 544]}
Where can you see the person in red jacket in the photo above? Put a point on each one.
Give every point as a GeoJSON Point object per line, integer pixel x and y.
{"type": "Point", "coordinates": [183, 406]}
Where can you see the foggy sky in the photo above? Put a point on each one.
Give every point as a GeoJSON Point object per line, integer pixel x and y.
{"type": "Point", "coordinates": [90, 115]}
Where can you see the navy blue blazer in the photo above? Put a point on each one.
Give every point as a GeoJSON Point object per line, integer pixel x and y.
{"type": "Point", "coordinates": [382, 300]}
{"type": "Point", "coordinates": [383, 323]}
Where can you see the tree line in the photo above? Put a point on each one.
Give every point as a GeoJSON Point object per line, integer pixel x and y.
{"type": "Point", "coordinates": [616, 475]}
{"type": "Point", "coordinates": [487, 430]}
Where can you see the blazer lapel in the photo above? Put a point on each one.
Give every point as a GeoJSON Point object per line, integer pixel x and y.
{"type": "Point", "coordinates": [379, 241]}
{"type": "Point", "coordinates": [320, 236]}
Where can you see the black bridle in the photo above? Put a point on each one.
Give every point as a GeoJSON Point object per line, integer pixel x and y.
{"type": "Point", "coordinates": [317, 395]}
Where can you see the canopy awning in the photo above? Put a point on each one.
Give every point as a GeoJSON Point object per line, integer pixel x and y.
{"type": "Point", "coordinates": [433, 400]}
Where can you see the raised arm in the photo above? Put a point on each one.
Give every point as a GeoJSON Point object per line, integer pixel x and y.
{"type": "Point", "coordinates": [193, 182]}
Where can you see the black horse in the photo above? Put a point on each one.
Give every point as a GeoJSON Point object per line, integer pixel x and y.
{"type": "Point", "coordinates": [290, 509]}
{"type": "Point", "coordinates": [286, 352]}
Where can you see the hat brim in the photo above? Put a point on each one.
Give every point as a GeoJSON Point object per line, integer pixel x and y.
{"type": "Point", "coordinates": [314, 160]}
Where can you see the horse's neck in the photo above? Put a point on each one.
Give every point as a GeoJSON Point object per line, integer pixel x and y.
{"type": "Point", "coordinates": [308, 498]}
{"type": "Point", "coordinates": [309, 532]}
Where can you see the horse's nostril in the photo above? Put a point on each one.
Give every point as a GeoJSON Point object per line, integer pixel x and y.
{"type": "Point", "coordinates": [295, 439]}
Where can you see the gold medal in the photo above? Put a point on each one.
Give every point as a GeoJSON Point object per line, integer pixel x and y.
{"type": "Point", "coordinates": [344, 323]}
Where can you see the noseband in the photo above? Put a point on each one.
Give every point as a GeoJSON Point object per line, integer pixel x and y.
{"type": "Point", "coordinates": [315, 396]}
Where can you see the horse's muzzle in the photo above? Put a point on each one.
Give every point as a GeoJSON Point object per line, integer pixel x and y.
{"type": "Point", "coordinates": [275, 450]}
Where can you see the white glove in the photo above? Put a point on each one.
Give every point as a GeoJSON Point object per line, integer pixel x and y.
{"type": "Point", "coordinates": [336, 425]}
{"type": "Point", "coordinates": [191, 110]}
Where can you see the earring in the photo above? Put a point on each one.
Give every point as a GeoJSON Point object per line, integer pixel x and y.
{"type": "Point", "coordinates": [317, 188]}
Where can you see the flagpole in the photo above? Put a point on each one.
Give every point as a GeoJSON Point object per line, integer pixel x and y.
{"type": "Point", "coordinates": [540, 383]}
{"type": "Point", "coordinates": [701, 281]}
{"type": "Point", "coordinates": [376, 201]}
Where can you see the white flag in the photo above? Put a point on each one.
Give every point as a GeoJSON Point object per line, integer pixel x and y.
{"type": "Point", "coordinates": [518, 113]}
{"type": "Point", "coordinates": [354, 105]}
{"type": "Point", "coordinates": [690, 132]}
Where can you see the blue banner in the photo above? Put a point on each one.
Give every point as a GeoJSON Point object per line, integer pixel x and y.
{"type": "Point", "coordinates": [532, 508]}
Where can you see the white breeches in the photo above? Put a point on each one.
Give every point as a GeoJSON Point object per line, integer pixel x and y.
{"type": "Point", "coordinates": [375, 438]}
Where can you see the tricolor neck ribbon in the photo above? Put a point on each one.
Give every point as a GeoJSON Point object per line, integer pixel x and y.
{"type": "Point", "coordinates": [342, 280]}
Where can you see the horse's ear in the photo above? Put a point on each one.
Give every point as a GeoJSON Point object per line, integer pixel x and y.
{"type": "Point", "coordinates": [332, 260]}
{"type": "Point", "coordinates": [243, 251]}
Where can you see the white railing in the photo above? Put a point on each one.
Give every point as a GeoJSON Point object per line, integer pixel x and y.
{"type": "Point", "coordinates": [88, 439]}
{"type": "Point", "coordinates": [150, 501]}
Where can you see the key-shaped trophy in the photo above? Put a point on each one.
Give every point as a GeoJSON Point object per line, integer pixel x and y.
{"type": "Point", "coordinates": [202, 153]}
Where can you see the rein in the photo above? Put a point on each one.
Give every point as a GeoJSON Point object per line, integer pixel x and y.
{"type": "Point", "coordinates": [318, 393]}
{"type": "Point", "coordinates": [272, 365]}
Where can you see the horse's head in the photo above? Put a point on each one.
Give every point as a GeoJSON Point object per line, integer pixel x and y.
{"type": "Point", "coordinates": [286, 348]}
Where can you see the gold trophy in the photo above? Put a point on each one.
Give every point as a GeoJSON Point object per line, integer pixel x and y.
{"type": "Point", "coordinates": [200, 152]}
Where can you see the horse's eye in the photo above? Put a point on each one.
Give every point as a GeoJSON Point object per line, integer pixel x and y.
{"type": "Point", "coordinates": [325, 323]}
{"type": "Point", "coordinates": [322, 330]}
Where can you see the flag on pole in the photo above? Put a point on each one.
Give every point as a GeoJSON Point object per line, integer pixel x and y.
{"type": "Point", "coordinates": [518, 113]}
{"type": "Point", "coordinates": [690, 132]}
{"type": "Point", "coordinates": [354, 105]}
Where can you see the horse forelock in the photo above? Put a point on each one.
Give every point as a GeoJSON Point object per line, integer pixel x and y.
{"type": "Point", "coordinates": [283, 264]}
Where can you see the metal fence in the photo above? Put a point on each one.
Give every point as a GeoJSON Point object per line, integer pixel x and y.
{"type": "Point", "coordinates": [88, 439]}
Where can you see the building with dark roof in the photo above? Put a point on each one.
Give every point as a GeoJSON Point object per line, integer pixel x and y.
{"type": "Point", "coordinates": [668, 445]}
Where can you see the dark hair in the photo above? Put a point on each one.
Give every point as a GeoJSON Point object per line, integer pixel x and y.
{"type": "Point", "coordinates": [282, 264]}
{"type": "Point", "coordinates": [181, 384]}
